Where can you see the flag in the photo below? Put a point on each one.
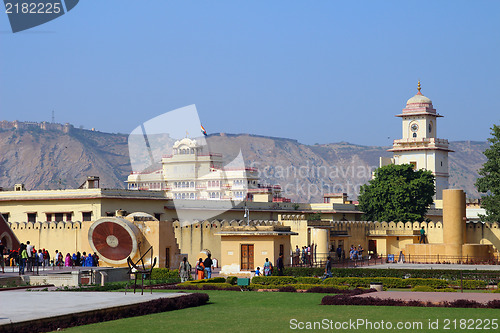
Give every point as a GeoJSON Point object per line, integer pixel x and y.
{"type": "Point", "coordinates": [203, 130]}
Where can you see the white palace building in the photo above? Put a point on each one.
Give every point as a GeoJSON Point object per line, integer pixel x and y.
{"type": "Point", "coordinates": [191, 173]}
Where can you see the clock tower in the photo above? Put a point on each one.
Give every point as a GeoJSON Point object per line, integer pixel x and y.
{"type": "Point", "coordinates": [420, 145]}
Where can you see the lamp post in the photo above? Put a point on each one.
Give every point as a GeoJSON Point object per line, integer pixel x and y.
{"type": "Point", "coordinates": [247, 214]}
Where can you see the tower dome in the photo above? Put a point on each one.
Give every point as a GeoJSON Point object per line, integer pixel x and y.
{"type": "Point", "coordinates": [419, 98]}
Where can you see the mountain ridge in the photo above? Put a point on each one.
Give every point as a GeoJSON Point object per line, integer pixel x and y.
{"type": "Point", "coordinates": [57, 159]}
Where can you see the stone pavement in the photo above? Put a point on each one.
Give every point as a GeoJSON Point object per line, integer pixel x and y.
{"type": "Point", "coordinates": [435, 297]}
{"type": "Point", "coordinates": [45, 304]}
{"type": "Point", "coordinates": [436, 266]}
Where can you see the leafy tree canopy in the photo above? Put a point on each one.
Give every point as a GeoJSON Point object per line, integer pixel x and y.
{"type": "Point", "coordinates": [397, 193]}
{"type": "Point", "coordinates": [489, 182]}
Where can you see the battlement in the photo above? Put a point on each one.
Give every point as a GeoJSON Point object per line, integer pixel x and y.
{"type": "Point", "coordinates": [44, 125]}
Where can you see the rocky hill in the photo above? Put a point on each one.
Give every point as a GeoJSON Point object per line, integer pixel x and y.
{"type": "Point", "coordinates": [52, 159]}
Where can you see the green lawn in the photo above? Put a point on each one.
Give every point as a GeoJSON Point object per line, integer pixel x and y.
{"type": "Point", "coordinates": [232, 311]}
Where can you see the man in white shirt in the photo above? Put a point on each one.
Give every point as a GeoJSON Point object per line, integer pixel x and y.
{"type": "Point", "coordinates": [29, 249]}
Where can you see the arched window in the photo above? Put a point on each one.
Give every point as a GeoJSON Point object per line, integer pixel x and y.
{"type": "Point", "coordinates": [414, 135]}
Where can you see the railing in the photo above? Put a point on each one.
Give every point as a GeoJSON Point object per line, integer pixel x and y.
{"type": "Point", "coordinates": [495, 276]}
{"type": "Point", "coordinates": [443, 259]}
{"type": "Point", "coordinates": [319, 260]}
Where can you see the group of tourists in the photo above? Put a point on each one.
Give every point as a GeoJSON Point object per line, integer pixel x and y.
{"type": "Point", "coordinates": [268, 267]}
{"type": "Point", "coordinates": [303, 255]}
{"type": "Point", "coordinates": [203, 268]}
{"type": "Point", "coordinates": [356, 253]}
{"type": "Point", "coordinates": [27, 257]}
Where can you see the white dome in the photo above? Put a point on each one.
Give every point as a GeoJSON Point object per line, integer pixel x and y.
{"type": "Point", "coordinates": [186, 142]}
{"type": "Point", "coordinates": [418, 99]}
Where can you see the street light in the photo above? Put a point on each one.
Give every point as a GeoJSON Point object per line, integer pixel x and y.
{"type": "Point", "coordinates": [247, 214]}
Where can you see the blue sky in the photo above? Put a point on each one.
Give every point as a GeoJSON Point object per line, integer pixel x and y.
{"type": "Point", "coordinates": [315, 71]}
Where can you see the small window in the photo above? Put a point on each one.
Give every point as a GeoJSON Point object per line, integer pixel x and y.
{"type": "Point", "coordinates": [31, 217]}
{"type": "Point", "coordinates": [414, 164]}
{"type": "Point", "coordinates": [414, 135]}
{"type": "Point", "coordinates": [86, 216]}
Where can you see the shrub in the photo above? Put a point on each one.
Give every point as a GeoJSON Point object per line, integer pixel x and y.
{"type": "Point", "coordinates": [326, 289]}
{"type": "Point", "coordinates": [446, 290]}
{"type": "Point", "coordinates": [434, 283]}
{"type": "Point", "coordinates": [353, 282]}
{"type": "Point", "coordinates": [232, 280]}
{"type": "Point", "coordinates": [308, 280]}
{"type": "Point", "coordinates": [302, 271]}
{"type": "Point", "coordinates": [442, 274]}
{"type": "Point", "coordinates": [164, 273]}
{"type": "Point", "coordinates": [471, 284]}
{"type": "Point", "coordinates": [422, 288]}
{"type": "Point", "coordinates": [287, 289]}
{"type": "Point", "coordinates": [206, 286]}
{"type": "Point", "coordinates": [211, 280]}
{"type": "Point", "coordinates": [257, 286]}
{"type": "Point", "coordinates": [277, 280]}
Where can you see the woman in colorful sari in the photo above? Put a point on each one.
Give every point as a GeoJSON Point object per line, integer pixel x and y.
{"type": "Point", "coordinates": [268, 268]}
{"type": "Point", "coordinates": [67, 260]}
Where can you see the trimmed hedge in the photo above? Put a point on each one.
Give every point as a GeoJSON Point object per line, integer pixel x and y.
{"type": "Point", "coordinates": [471, 284]}
{"type": "Point", "coordinates": [308, 280]}
{"type": "Point", "coordinates": [164, 274]}
{"type": "Point", "coordinates": [211, 280]}
{"type": "Point", "coordinates": [442, 274]}
{"type": "Point", "coordinates": [275, 282]}
{"type": "Point", "coordinates": [459, 303]}
{"type": "Point", "coordinates": [422, 288]}
{"type": "Point", "coordinates": [206, 286]}
{"type": "Point", "coordinates": [232, 280]}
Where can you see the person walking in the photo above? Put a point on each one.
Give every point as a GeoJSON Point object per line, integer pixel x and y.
{"type": "Point", "coordinates": [24, 257]}
{"type": "Point", "coordinates": [422, 236]}
{"type": "Point", "coordinates": [280, 265]}
{"type": "Point", "coordinates": [339, 253]}
{"type": "Point", "coordinates": [29, 252]}
{"type": "Point", "coordinates": [328, 268]}
{"type": "Point", "coordinates": [184, 270]}
{"type": "Point", "coordinates": [200, 269]}
{"type": "Point", "coordinates": [208, 263]}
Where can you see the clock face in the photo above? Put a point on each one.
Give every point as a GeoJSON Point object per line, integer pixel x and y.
{"type": "Point", "coordinates": [414, 127]}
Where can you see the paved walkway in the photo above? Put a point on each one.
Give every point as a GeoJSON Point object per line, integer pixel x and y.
{"type": "Point", "coordinates": [435, 297]}
{"type": "Point", "coordinates": [13, 304]}
{"type": "Point", "coordinates": [436, 266]}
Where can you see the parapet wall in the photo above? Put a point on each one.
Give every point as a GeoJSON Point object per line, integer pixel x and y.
{"type": "Point", "coordinates": [6, 125]}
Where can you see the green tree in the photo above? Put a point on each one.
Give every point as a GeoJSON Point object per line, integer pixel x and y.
{"type": "Point", "coordinates": [397, 193]}
{"type": "Point", "coordinates": [490, 181]}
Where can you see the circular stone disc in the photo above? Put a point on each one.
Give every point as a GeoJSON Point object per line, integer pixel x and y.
{"type": "Point", "coordinates": [113, 239]}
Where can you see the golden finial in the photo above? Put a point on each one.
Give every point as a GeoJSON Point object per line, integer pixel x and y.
{"type": "Point", "coordinates": [419, 86]}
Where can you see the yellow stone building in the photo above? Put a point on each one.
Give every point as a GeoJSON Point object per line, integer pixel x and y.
{"type": "Point", "coordinates": [181, 213]}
